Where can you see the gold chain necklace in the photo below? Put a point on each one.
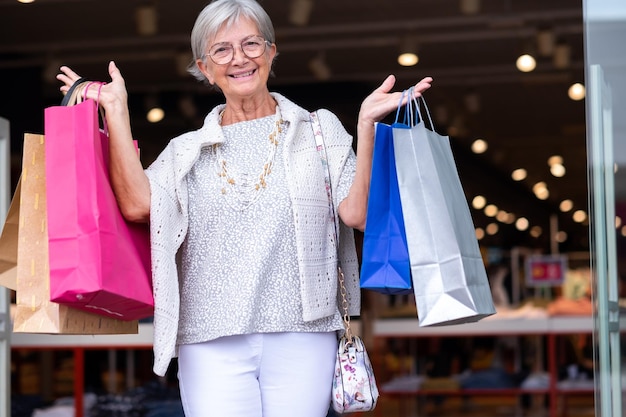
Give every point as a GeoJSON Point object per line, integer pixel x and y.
{"type": "Point", "coordinates": [246, 192]}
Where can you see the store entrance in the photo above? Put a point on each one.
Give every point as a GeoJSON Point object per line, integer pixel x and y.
{"type": "Point", "coordinates": [605, 29]}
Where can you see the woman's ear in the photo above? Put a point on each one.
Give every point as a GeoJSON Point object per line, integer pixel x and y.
{"type": "Point", "coordinates": [205, 69]}
{"type": "Point", "coordinates": [273, 52]}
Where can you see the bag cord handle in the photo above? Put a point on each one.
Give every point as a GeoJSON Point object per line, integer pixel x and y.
{"type": "Point", "coordinates": [321, 149]}
{"type": "Point", "coordinates": [412, 107]}
{"type": "Point", "coordinates": [77, 93]}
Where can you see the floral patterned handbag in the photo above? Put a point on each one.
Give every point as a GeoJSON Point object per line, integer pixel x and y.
{"type": "Point", "coordinates": [354, 386]}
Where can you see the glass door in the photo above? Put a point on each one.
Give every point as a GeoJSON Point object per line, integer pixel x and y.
{"type": "Point", "coordinates": [605, 32]}
{"type": "Point", "coordinates": [5, 319]}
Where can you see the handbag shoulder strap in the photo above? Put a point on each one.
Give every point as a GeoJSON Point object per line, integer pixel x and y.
{"type": "Point", "coordinates": [321, 150]}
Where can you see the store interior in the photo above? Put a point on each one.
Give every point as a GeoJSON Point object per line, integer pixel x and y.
{"type": "Point", "coordinates": [331, 55]}
{"type": "Point", "coordinates": [519, 139]}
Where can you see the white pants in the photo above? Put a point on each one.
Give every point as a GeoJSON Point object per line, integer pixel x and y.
{"type": "Point", "coordinates": [258, 375]}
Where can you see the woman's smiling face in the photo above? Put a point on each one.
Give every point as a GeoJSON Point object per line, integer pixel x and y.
{"type": "Point", "coordinates": [242, 77]}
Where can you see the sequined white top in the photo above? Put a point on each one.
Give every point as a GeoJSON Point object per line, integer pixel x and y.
{"type": "Point", "coordinates": [317, 255]}
{"type": "Point", "coordinates": [239, 262]}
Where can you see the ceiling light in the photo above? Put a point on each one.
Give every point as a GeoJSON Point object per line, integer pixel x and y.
{"type": "Point", "coordinates": [519, 174]}
{"type": "Point", "coordinates": [491, 210]}
{"type": "Point", "coordinates": [576, 92]}
{"type": "Point", "coordinates": [541, 191]}
{"type": "Point", "coordinates": [536, 231]}
{"type": "Point", "coordinates": [557, 170]}
{"type": "Point", "coordinates": [526, 63]}
{"type": "Point", "coordinates": [624, 231]}
{"type": "Point", "coordinates": [502, 216]}
{"type": "Point", "coordinates": [300, 12]}
{"type": "Point", "coordinates": [566, 205]}
{"type": "Point", "coordinates": [480, 233]}
{"type": "Point", "coordinates": [479, 202]}
{"type": "Point", "coordinates": [154, 112]}
{"type": "Point", "coordinates": [479, 146]}
{"type": "Point", "coordinates": [155, 115]}
{"type": "Point", "coordinates": [492, 229]}
{"type": "Point", "coordinates": [555, 159]}
{"type": "Point", "coordinates": [561, 236]}
{"type": "Point", "coordinates": [26, 1]}
{"type": "Point", "coordinates": [539, 186]}
{"type": "Point", "coordinates": [618, 222]}
{"type": "Point", "coordinates": [521, 224]}
{"type": "Point", "coordinates": [510, 218]}
{"type": "Point", "coordinates": [146, 18]}
{"type": "Point", "coordinates": [408, 59]}
{"type": "Point", "coordinates": [579, 216]}
{"type": "Point", "coordinates": [408, 52]}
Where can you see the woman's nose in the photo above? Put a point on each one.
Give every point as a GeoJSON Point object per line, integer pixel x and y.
{"type": "Point", "coordinates": [239, 55]}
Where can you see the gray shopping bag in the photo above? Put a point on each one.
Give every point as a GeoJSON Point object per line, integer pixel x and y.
{"type": "Point", "coordinates": [449, 277]}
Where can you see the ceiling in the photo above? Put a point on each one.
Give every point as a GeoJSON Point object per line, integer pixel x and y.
{"type": "Point", "coordinates": [477, 92]}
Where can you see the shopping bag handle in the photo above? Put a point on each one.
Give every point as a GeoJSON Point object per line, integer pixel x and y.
{"type": "Point", "coordinates": [77, 93]}
{"type": "Point", "coordinates": [405, 121]}
{"type": "Point", "coordinates": [71, 92]}
{"type": "Point", "coordinates": [418, 107]}
{"type": "Point", "coordinates": [412, 109]}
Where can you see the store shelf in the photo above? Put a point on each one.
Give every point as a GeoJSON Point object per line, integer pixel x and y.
{"type": "Point", "coordinates": [492, 326]}
{"type": "Point", "coordinates": [549, 327]}
{"type": "Point", "coordinates": [78, 344]}
{"type": "Point", "coordinates": [143, 339]}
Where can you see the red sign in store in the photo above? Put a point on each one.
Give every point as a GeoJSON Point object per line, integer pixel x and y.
{"type": "Point", "coordinates": [545, 269]}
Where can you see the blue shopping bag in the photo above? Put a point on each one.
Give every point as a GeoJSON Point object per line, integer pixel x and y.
{"type": "Point", "coordinates": [385, 261]}
{"type": "Point", "coordinates": [451, 284]}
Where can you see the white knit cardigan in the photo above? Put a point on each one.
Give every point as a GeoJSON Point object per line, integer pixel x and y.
{"type": "Point", "coordinates": [313, 225]}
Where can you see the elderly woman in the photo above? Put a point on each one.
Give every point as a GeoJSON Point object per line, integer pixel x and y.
{"type": "Point", "coordinates": [244, 264]}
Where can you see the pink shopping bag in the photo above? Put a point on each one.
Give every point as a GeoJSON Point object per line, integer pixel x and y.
{"type": "Point", "coordinates": [99, 262]}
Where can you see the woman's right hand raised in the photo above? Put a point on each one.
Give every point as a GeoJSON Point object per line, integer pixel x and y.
{"type": "Point", "coordinates": [112, 96]}
{"type": "Point", "coordinates": [128, 179]}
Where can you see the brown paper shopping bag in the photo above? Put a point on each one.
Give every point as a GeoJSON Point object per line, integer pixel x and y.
{"type": "Point", "coordinates": [8, 243]}
{"type": "Point", "coordinates": [35, 313]}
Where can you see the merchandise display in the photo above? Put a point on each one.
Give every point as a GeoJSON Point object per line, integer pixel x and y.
{"type": "Point", "coordinates": [440, 368]}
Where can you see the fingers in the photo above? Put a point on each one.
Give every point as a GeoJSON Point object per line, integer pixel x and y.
{"type": "Point", "coordinates": [423, 85]}
{"type": "Point", "coordinates": [68, 72]}
{"type": "Point", "coordinates": [114, 73]}
{"type": "Point", "coordinates": [387, 85]}
{"type": "Point", "coordinates": [67, 77]}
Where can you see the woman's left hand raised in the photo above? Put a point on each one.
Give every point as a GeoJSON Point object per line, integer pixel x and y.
{"type": "Point", "coordinates": [382, 101]}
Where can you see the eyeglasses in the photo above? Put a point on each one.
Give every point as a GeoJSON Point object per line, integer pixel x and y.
{"type": "Point", "coordinates": [252, 47]}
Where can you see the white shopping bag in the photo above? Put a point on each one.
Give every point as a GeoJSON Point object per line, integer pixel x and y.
{"type": "Point", "coordinates": [448, 273]}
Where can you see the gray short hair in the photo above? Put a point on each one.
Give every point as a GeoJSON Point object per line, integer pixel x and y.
{"type": "Point", "coordinates": [225, 12]}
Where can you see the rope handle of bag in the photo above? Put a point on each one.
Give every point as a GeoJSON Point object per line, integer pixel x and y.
{"type": "Point", "coordinates": [321, 150]}
{"type": "Point", "coordinates": [77, 93]}
{"type": "Point", "coordinates": [412, 109]}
